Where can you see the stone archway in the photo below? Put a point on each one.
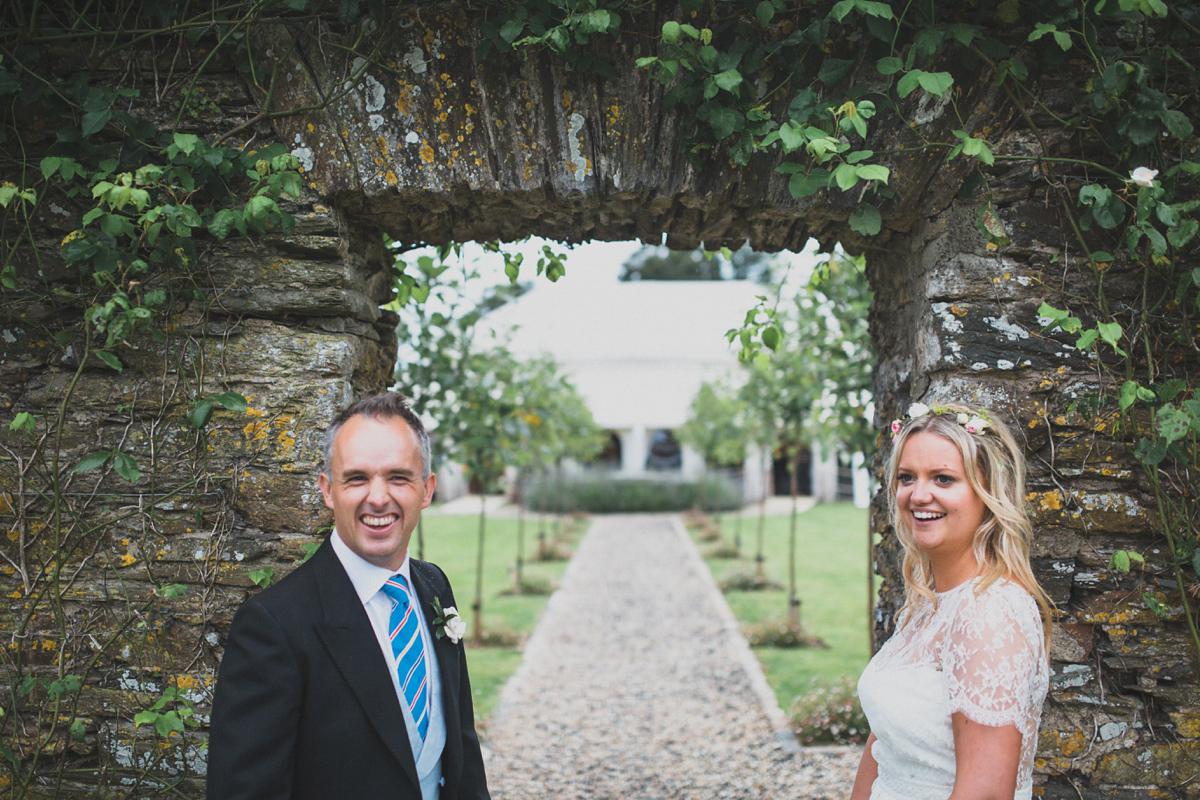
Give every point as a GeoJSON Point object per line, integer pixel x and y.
{"type": "Point", "coordinates": [427, 145]}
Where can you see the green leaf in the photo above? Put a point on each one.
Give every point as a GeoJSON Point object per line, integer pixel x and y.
{"type": "Point", "coordinates": [231, 401]}
{"type": "Point", "coordinates": [262, 577]}
{"type": "Point", "coordinates": [92, 461]}
{"type": "Point", "coordinates": [1129, 393]}
{"type": "Point", "coordinates": [93, 121]}
{"type": "Point", "coordinates": [889, 65]}
{"type": "Point", "coordinates": [511, 29]}
{"type": "Point", "coordinates": [908, 82]}
{"type": "Point", "coordinates": [1183, 233]}
{"type": "Point", "coordinates": [1173, 423]}
{"type": "Point", "coordinates": [66, 685]}
{"type": "Point", "coordinates": [936, 83]}
{"type": "Point", "coordinates": [764, 12]}
{"type": "Point", "coordinates": [1119, 561]}
{"type": "Point", "coordinates": [806, 185]}
{"type": "Point", "coordinates": [49, 166]}
{"type": "Point", "coordinates": [771, 337]}
{"type": "Point", "coordinates": [1177, 124]}
{"type": "Point", "coordinates": [172, 590]}
{"type": "Point", "coordinates": [834, 70]}
{"type": "Point", "coordinates": [873, 172]}
{"type": "Point", "coordinates": [168, 723]}
{"type": "Point", "coordinates": [1111, 333]}
{"type": "Point", "coordinates": [1087, 339]}
{"type": "Point", "coordinates": [126, 467]}
{"type": "Point", "coordinates": [110, 359]}
{"type": "Point", "coordinates": [78, 730]}
{"type": "Point", "coordinates": [791, 136]}
{"type": "Point", "coordinates": [1150, 451]}
{"type": "Point", "coordinates": [729, 80]}
{"type": "Point", "coordinates": [671, 32]}
{"type": "Point", "coordinates": [23, 421]}
{"type": "Point", "coordinates": [846, 175]}
{"type": "Point", "coordinates": [866, 220]}
{"type": "Point", "coordinates": [200, 414]}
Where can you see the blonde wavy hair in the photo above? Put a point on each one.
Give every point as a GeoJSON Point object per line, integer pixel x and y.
{"type": "Point", "coordinates": [995, 469]}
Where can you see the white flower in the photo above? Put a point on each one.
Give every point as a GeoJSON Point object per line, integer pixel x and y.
{"type": "Point", "coordinates": [454, 625]}
{"type": "Point", "coordinates": [917, 410]}
{"type": "Point", "coordinates": [961, 418]}
{"type": "Point", "coordinates": [976, 425]}
{"type": "Point", "coordinates": [1143, 176]}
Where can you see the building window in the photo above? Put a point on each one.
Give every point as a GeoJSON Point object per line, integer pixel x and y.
{"type": "Point", "coordinates": [665, 453]}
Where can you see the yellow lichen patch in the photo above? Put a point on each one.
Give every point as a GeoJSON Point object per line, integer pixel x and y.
{"type": "Point", "coordinates": [426, 153]}
{"type": "Point", "coordinates": [6, 503]}
{"type": "Point", "coordinates": [127, 560]}
{"type": "Point", "coordinates": [1048, 501]}
{"type": "Point", "coordinates": [390, 177]}
{"type": "Point", "coordinates": [404, 99]}
{"type": "Point", "coordinates": [49, 645]}
{"type": "Point", "coordinates": [958, 311]}
{"type": "Point", "coordinates": [256, 429]}
{"type": "Point", "coordinates": [383, 145]}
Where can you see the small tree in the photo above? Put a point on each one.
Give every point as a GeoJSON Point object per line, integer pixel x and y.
{"type": "Point", "coordinates": [560, 425]}
{"type": "Point", "coordinates": [817, 382]}
{"type": "Point", "coordinates": [717, 428]}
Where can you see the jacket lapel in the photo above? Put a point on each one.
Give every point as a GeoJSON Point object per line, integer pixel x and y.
{"type": "Point", "coordinates": [428, 582]}
{"type": "Point", "coordinates": [350, 641]}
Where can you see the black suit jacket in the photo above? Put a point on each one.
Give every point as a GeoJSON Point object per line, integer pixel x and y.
{"type": "Point", "coordinates": [304, 705]}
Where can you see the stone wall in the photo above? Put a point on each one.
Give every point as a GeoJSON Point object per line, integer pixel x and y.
{"type": "Point", "coordinates": [428, 146]}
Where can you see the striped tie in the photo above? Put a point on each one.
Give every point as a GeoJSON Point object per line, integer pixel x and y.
{"type": "Point", "coordinates": [405, 632]}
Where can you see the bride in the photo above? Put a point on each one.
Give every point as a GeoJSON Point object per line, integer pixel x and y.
{"type": "Point", "coordinates": [954, 696]}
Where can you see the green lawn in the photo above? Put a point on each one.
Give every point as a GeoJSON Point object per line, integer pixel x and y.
{"type": "Point", "coordinates": [831, 570]}
{"type": "Point", "coordinates": [450, 542]}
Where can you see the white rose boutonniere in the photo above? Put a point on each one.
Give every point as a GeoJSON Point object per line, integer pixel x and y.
{"type": "Point", "coordinates": [447, 622]}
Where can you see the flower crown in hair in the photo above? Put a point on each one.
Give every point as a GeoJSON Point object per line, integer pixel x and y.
{"type": "Point", "coordinates": [974, 423]}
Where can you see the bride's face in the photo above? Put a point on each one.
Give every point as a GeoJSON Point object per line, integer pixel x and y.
{"type": "Point", "coordinates": [936, 500]}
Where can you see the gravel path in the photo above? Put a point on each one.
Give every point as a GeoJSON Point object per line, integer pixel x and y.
{"type": "Point", "coordinates": [635, 685]}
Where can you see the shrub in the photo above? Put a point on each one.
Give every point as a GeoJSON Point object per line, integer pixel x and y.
{"type": "Point", "coordinates": [551, 549]}
{"type": "Point", "coordinates": [777, 633]}
{"type": "Point", "coordinates": [495, 637]}
{"type": "Point", "coordinates": [747, 580]}
{"type": "Point", "coordinates": [533, 584]}
{"type": "Point", "coordinates": [829, 713]}
{"type": "Point", "coordinates": [606, 494]}
{"type": "Point", "coordinates": [723, 550]}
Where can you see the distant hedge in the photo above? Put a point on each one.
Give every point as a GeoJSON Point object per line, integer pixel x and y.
{"type": "Point", "coordinates": [607, 494]}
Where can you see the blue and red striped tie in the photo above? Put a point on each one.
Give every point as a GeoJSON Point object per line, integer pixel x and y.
{"type": "Point", "coordinates": [404, 629]}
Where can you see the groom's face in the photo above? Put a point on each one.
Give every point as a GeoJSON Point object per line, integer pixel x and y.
{"type": "Point", "coordinates": [375, 487]}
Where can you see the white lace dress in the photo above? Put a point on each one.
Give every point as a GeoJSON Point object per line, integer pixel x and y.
{"type": "Point", "coordinates": [981, 654]}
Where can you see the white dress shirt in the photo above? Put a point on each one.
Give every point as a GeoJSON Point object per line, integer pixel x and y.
{"type": "Point", "coordinates": [368, 580]}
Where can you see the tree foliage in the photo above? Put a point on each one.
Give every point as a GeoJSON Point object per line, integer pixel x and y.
{"type": "Point", "coordinates": [663, 264]}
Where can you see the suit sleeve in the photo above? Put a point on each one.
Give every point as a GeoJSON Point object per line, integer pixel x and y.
{"type": "Point", "coordinates": [474, 781]}
{"type": "Point", "coordinates": [473, 785]}
{"type": "Point", "coordinates": [255, 712]}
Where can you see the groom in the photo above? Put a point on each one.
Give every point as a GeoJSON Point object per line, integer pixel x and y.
{"type": "Point", "coordinates": [330, 686]}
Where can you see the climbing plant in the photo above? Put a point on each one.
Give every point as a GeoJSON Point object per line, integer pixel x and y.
{"type": "Point", "coordinates": [805, 80]}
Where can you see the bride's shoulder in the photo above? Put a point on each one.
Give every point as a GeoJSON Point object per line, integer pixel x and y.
{"type": "Point", "coordinates": [1002, 596]}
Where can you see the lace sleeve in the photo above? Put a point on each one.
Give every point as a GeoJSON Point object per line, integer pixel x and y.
{"type": "Point", "coordinates": [991, 656]}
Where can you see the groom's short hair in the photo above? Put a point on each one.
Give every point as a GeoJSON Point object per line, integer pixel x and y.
{"type": "Point", "coordinates": [382, 406]}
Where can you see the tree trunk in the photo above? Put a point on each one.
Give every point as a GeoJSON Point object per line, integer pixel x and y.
{"type": "Point", "coordinates": [477, 606]}
{"type": "Point", "coordinates": [793, 600]}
